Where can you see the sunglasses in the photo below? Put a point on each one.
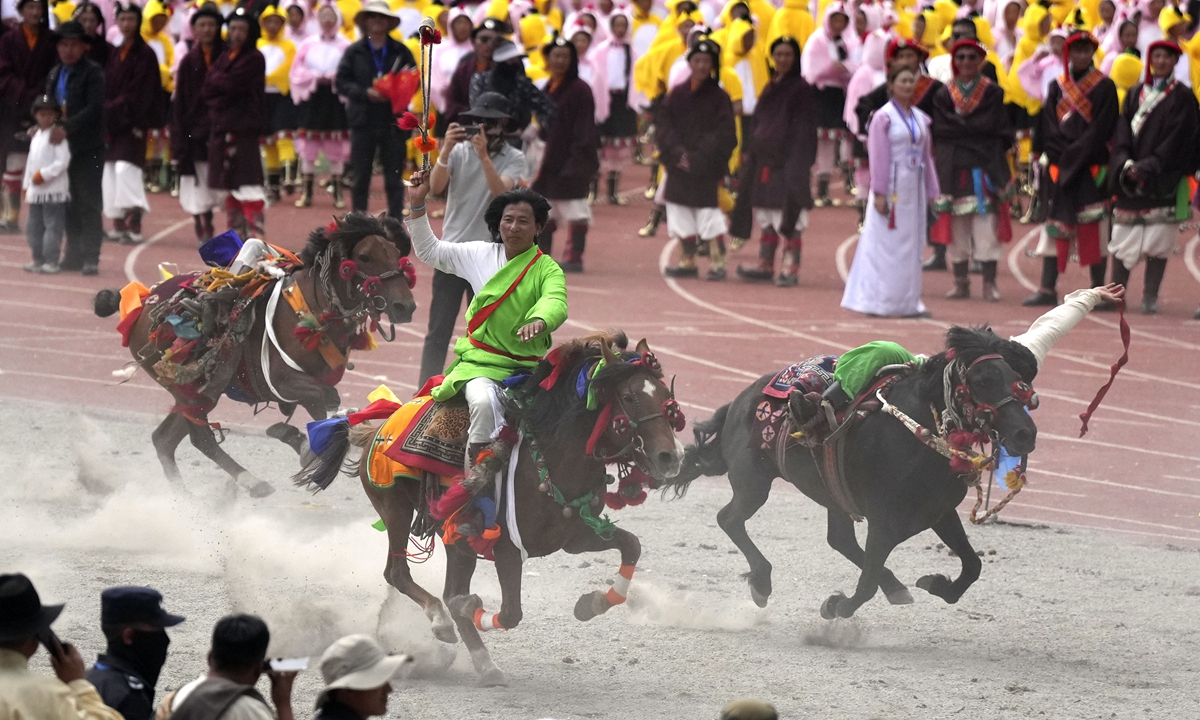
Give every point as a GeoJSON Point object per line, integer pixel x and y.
{"type": "Point", "coordinates": [486, 39]}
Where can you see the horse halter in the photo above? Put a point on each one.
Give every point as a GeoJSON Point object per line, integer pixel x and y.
{"type": "Point", "coordinates": [372, 285]}
{"type": "Point", "coordinates": [968, 413]}
{"type": "Point", "coordinates": [625, 420]}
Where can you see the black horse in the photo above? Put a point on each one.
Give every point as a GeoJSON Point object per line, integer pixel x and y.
{"type": "Point", "coordinates": [901, 486]}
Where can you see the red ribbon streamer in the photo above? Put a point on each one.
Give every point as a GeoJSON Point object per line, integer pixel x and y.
{"type": "Point", "coordinates": [1087, 414]}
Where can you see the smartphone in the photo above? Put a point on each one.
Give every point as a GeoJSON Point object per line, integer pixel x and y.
{"type": "Point", "coordinates": [51, 642]}
{"type": "Point", "coordinates": [471, 130]}
{"type": "Point", "coordinates": [289, 664]}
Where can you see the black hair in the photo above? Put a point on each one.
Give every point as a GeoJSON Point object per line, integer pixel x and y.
{"type": "Point", "coordinates": [795, 46]}
{"type": "Point", "coordinates": [895, 70]}
{"type": "Point", "coordinates": [350, 229]}
{"type": "Point", "coordinates": [83, 7]}
{"type": "Point", "coordinates": [129, 7]}
{"type": "Point", "coordinates": [562, 42]}
{"type": "Point", "coordinates": [516, 196]}
{"type": "Point", "coordinates": [239, 642]}
{"type": "Point", "coordinates": [962, 24]}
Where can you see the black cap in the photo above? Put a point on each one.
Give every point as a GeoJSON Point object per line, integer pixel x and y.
{"type": "Point", "coordinates": [123, 605]}
{"type": "Point", "coordinates": [72, 30]}
{"type": "Point", "coordinates": [21, 610]}
{"type": "Point", "coordinates": [44, 102]}
{"type": "Point", "coordinates": [489, 106]}
{"type": "Point", "coordinates": [207, 10]}
{"type": "Point", "coordinates": [496, 26]}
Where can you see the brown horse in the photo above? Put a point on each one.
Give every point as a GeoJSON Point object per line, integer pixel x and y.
{"type": "Point", "coordinates": [350, 275]}
{"type": "Point", "coordinates": [635, 419]}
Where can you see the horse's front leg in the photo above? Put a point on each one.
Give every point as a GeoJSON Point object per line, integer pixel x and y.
{"type": "Point", "coordinates": [949, 529]}
{"type": "Point", "coordinates": [881, 540]}
{"type": "Point", "coordinates": [307, 392]}
{"type": "Point", "coordinates": [599, 602]}
{"type": "Point", "coordinates": [467, 608]}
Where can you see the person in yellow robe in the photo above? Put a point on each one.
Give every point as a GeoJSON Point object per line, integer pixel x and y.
{"type": "Point", "coordinates": [792, 20]}
{"type": "Point", "coordinates": [279, 152]}
{"type": "Point", "coordinates": [154, 31]}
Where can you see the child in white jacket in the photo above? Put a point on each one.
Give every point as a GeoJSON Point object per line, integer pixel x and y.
{"type": "Point", "coordinates": [46, 190]}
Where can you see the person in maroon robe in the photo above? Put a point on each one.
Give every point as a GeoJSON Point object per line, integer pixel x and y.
{"type": "Point", "coordinates": [190, 126]}
{"type": "Point", "coordinates": [458, 94]}
{"type": "Point", "coordinates": [235, 94]}
{"type": "Point", "coordinates": [774, 185]}
{"type": "Point", "coordinates": [972, 134]}
{"type": "Point", "coordinates": [1078, 118]}
{"type": "Point", "coordinates": [696, 135]}
{"type": "Point", "coordinates": [27, 53]}
{"type": "Point", "coordinates": [91, 18]}
{"type": "Point", "coordinates": [131, 82]}
{"type": "Point", "coordinates": [572, 156]}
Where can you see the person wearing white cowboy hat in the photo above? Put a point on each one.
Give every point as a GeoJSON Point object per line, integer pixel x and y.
{"type": "Point", "coordinates": [357, 674]}
{"type": "Point", "coordinates": [376, 7]}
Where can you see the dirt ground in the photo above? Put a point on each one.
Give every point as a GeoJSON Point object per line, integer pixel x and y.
{"type": "Point", "coordinates": [1062, 623]}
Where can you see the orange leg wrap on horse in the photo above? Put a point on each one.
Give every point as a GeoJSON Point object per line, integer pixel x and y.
{"type": "Point", "coordinates": [485, 621]}
{"type": "Point", "coordinates": [620, 587]}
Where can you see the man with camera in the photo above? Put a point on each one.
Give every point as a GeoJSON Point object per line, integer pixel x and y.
{"type": "Point", "coordinates": [24, 624]}
{"type": "Point", "coordinates": [476, 165]}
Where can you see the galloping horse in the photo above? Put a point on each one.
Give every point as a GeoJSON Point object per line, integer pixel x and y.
{"type": "Point", "coordinates": [350, 274]}
{"type": "Point", "coordinates": [558, 485]}
{"type": "Point", "coordinates": [901, 486]}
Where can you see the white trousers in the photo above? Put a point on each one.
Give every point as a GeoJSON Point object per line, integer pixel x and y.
{"type": "Point", "coordinates": [1131, 243]}
{"type": "Point", "coordinates": [974, 236]}
{"type": "Point", "coordinates": [487, 415]}
{"type": "Point", "coordinates": [565, 212]}
{"type": "Point", "coordinates": [195, 197]}
{"type": "Point", "coordinates": [703, 223]}
{"type": "Point", "coordinates": [1048, 247]}
{"type": "Point", "coordinates": [122, 189]}
{"type": "Point", "coordinates": [772, 219]}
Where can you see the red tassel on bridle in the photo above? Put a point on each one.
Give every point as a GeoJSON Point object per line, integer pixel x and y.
{"type": "Point", "coordinates": [347, 270]}
{"type": "Point", "coordinates": [410, 272]}
{"type": "Point", "coordinates": [674, 415]}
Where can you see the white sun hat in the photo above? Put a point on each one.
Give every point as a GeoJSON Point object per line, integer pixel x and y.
{"type": "Point", "coordinates": [357, 662]}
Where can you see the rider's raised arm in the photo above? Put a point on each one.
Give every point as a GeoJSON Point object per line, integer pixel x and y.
{"type": "Point", "coordinates": [451, 258]}
{"type": "Point", "coordinates": [1047, 329]}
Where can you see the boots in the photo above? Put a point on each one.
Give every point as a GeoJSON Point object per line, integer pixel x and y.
{"type": "Point", "coordinates": [652, 190]}
{"type": "Point", "coordinates": [289, 176]}
{"type": "Point", "coordinates": [593, 189]}
{"type": "Point", "coordinates": [274, 185]}
{"type": "Point", "coordinates": [614, 180]}
{"type": "Point", "coordinates": [687, 261]}
{"type": "Point", "coordinates": [545, 238]}
{"type": "Point", "coordinates": [766, 258]}
{"type": "Point", "coordinates": [173, 179]}
{"type": "Point", "coordinates": [962, 282]}
{"type": "Point", "coordinates": [716, 259]}
{"type": "Point", "coordinates": [574, 260]}
{"type": "Point", "coordinates": [861, 207]}
{"type": "Point", "coordinates": [990, 293]}
{"type": "Point", "coordinates": [936, 261]}
{"type": "Point", "coordinates": [789, 271]}
{"type": "Point", "coordinates": [1098, 271]}
{"type": "Point", "coordinates": [656, 216]}
{"type": "Point", "coordinates": [120, 228]}
{"type": "Point", "coordinates": [1155, 269]}
{"type": "Point", "coordinates": [9, 219]}
{"type": "Point", "coordinates": [822, 192]}
{"type": "Point", "coordinates": [235, 217]}
{"type": "Point", "coordinates": [306, 192]}
{"type": "Point", "coordinates": [256, 220]}
{"type": "Point", "coordinates": [1045, 296]}
{"type": "Point", "coordinates": [133, 227]}
{"type": "Point", "coordinates": [152, 176]}
{"type": "Point", "coordinates": [339, 201]}
{"type": "Point", "coordinates": [1120, 273]}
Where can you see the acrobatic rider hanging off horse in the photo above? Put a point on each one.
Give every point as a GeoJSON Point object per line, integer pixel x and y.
{"type": "Point", "coordinates": [520, 298]}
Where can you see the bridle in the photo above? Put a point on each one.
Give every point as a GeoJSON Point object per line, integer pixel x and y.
{"type": "Point", "coordinates": [359, 283]}
{"type": "Point", "coordinates": [963, 411]}
{"type": "Point", "coordinates": [624, 419]}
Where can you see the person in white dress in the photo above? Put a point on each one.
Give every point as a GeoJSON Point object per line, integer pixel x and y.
{"type": "Point", "coordinates": [885, 278]}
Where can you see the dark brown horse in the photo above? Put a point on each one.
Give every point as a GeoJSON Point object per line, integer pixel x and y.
{"type": "Point", "coordinates": [638, 418]}
{"type": "Point", "coordinates": [352, 275]}
{"type": "Point", "coordinates": [901, 486]}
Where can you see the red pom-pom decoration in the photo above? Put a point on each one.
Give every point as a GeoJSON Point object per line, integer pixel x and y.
{"type": "Point", "coordinates": [410, 272]}
{"type": "Point", "coordinates": [431, 36]}
{"type": "Point", "coordinates": [347, 269]}
{"type": "Point", "coordinates": [674, 415]}
{"type": "Point", "coordinates": [332, 226]}
{"type": "Point", "coordinates": [621, 425]}
{"type": "Point", "coordinates": [408, 121]}
{"type": "Point", "coordinates": [372, 285]}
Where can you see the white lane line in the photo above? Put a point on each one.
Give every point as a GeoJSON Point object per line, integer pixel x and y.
{"type": "Point", "coordinates": [1113, 519]}
{"type": "Point", "coordinates": [1014, 260]}
{"type": "Point", "coordinates": [70, 353]}
{"type": "Point", "coordinates": [76, 378]}
{"type": "Point", "coordinates": [843, 267]}
{"type": "Point", "coordinates": [1189, 257]}
{"type": "Point", "coordinates": [1009, 516]}
{"type": "Point", "coordinates": [681, 355]}
{"type": "Point", "coordinates": [665, 255]}
{"type": "Point", "coordinates": [1183, 477]}
{"type": "Point", "coordinates": [1114, 408]}
{"type": "Point", "coordinates": [131, 258]}
{"type": "Point", "coordinates": [1110, 483]}
{"type": "Point", "coordinates": [1143, 333]}
{"type": "Point", "coordinates": [38, 306]}
{"type": "Point", "coordinates": [48, 286]}
{"type": "Point", "coordinates": [28, 326]}
{"type": "Point", "coordinates": [1114, 446]}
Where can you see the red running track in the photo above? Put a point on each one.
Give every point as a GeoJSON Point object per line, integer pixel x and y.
{"type": "Point", "coordinates": [1137, 472]}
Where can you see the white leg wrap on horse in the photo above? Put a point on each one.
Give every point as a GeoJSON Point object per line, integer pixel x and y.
{"type": "Point", "coordinates": [485, 621]}
{"type": "Point", "coordinates": [620, 587]}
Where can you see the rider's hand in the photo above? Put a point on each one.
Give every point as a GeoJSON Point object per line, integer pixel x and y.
{"type": "Point", "coordinates": [418, 184]}
{"type": "Point", "coordinates": [530, 331]}
{"type": "Point", "coordinates": [1112, 292]}
{"type": "Point", "coordinates": [881, 205]}
{"type": "Point", "coordinates": [455, 134]}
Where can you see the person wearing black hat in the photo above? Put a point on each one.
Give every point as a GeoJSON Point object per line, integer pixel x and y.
{"type": "Point", "coordinates": [483, 42]}
{"type": "Point", "coordinates": [471, 170]}
{"type": "Point", "coordinates": [26, 55]}
{"type": "Point", "coordinates": [24, 624]}
{"type": "Point", "coordinates": [77, 84]}
{"type": "Point", "coordinates": [372, 122]}
{"type": "Point", "coordinates": [507, 76]}
{"type": "Point", "coordinates": [189, 124]}
{"type": "Point", "coordinates": [134, 624]}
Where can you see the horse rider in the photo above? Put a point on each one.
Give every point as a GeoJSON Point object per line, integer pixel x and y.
{"type": "Point", "coordinates": [520, 298]}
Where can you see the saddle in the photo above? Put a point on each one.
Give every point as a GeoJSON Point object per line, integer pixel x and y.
{"type": "Point", "coordinates": [428, 436]}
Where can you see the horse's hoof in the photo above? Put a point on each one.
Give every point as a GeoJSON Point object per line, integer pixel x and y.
{"type": "Point", "coordinates": [830, 606]}
{"type": "Point", "coordinates": [464, 606]}
{"type": "Point", "coordinates": [260, 489]}
{"type": "Point", "coordinates": [445, 633]}
{"type": "Point", "coordinates": [493, 678]}
{"type": "Point", "coordinates": [758, 598]}
{"type": "Point", "coordinates": [900, 597]}
{"type": "Point", "coordinates": [590, 605]}
{"type": "Point", "coordinates": [934, 584]}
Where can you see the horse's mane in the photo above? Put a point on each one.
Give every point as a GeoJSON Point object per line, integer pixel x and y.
{"type": "Point", "coordinates": [551, 414]}
{"type": "Point", "coordinates": [968, 344]}
{"type": "Point", "coordinates": [343, 234]}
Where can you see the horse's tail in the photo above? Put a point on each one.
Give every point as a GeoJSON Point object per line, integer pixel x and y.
{"type": "Point", "coordinates": [329, 442]}
{"type": "Point", "coordinates": [106, 302]}
{"type": "Point", "coordinates": [703, 459]}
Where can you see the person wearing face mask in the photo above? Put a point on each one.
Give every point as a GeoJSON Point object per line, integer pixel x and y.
{"type": "Point", "coordinates": [470, 171]}
{"type": "Point", "coordinates": [134, 624]}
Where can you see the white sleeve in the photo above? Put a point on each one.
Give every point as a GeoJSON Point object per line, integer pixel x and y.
{"type": "Point", "coordinates": [443, 256]}
{"type": "Point", "coordinates": [1046, 330]}
{"type": "Point", "coordinates": [62, 159]}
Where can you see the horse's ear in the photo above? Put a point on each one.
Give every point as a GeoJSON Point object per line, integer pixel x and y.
{"type": "Point", "coordinates": [606, 350]}
{"type": "Point", "coordinates": [643, 347]}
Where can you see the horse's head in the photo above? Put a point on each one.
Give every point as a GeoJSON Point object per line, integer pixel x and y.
{"type": "Point", "coordinates": [644, 416]}
{"type": "Point", "coordinates": [989, 382]}
{"type": "Point", "coordinates": [362, 260]}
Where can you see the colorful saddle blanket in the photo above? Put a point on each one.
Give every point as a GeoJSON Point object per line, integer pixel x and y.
{"type": "Point", "coordinates": [428, 436]}
{"type": "Point", "coordinates": [813, 375]}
